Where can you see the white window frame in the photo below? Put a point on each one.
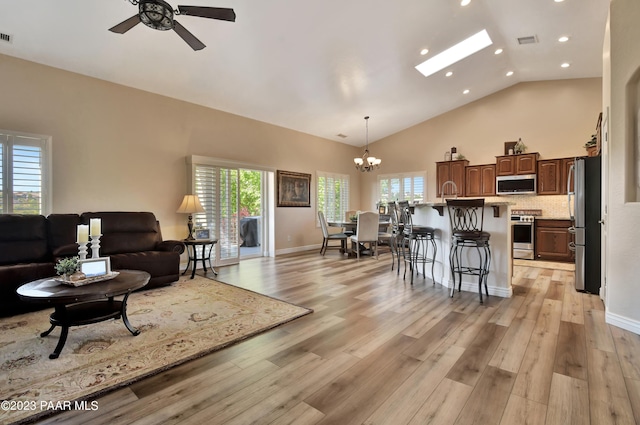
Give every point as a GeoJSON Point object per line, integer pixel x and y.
{"type": "Point", "coordinates": [9, 139]}
{"type": "Point", "coordinates": [402, 196]}
{"type": "Point", "coordinates": [332, 214]}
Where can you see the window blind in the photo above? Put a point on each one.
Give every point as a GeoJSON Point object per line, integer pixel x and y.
{"type": "Point", "coordinates": [332, 194]}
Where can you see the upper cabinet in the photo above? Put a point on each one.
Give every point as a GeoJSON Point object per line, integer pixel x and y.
{"type": "Point", "coordinates": [480, 180]}
{"type": "Point", "coordinates": [553, 176]}
{"type": "Point", "coordinates": [549, 177]}
{"type": "Point", "coordinates": [451, 171]}
{"type": "Point", "coordinates": [510, 165]}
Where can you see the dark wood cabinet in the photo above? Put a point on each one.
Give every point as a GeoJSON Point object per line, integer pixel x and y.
{"type": "Point", "coordinates": [480, 180]}
{"type": "Point", "coordinates": [451, 171]}
{"type": "Point", "coordinates": [552, 240]}
{"type": "Point", "coordinates": [510, 165]}
{"type": "Point", "coordinates": [553, 175]}
{"type": "Point", "coordinates": [550, 177]}
{"type": "Point", "coordinates": [565, 165]}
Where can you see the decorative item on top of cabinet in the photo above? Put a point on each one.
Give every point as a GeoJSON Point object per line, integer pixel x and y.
{"type": "Point", "coordinates": [552, 240]}
{"type": "Point", "coordinates": [510, 165]}
{"type": "Point", "coordinates": [480, 180]}
{"type": "Point", "coordinates": [450, 170]}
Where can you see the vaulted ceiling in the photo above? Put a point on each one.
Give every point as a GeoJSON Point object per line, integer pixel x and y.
{"type": "Point", "coordinates": [316, 67]}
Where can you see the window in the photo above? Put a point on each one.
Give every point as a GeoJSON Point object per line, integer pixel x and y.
{"type": "Point", "coordinates": [402, 187]}
{"type": "Point", "coordinates": [24, 173]}
{"type": "Point", "coordinates": [332, 195]}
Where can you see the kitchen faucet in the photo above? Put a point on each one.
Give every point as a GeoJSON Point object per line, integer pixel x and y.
{"type": "Point", "coordinates": [445, 184]}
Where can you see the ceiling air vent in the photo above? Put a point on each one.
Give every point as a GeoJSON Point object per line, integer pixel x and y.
{"type": "Point", "coordinates": [344, 136]}
{"type": "Point", "coordinates": [7, 38]}
{"type": "Point", "coordinates": [532, 39]}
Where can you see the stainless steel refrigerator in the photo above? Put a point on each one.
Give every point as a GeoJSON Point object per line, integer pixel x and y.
{"type": "Point", "coordinates": [585, 209]}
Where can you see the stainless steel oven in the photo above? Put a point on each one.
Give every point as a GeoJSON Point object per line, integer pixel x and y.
{"type": "Point", "coordinates": [522, 229]}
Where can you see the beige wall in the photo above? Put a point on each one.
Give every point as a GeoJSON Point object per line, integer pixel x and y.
{"type": "Point", "coordinates": [117, 148]}
{"type": "Point", "coordinates": [554, 118]}
{"type": "Point", "coordinates": [623, 221]}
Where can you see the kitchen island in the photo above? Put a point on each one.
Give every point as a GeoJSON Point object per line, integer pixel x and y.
{"type": "Point", "coordinates": [496, 221]}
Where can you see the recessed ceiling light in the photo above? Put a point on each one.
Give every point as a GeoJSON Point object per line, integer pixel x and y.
{"type": "Point", "coordinates": [465, 2]}
{"type": "Point", "coordinates": [453, 54]}
{"type": "Point", "coordinates": [558, 1]}
{"type": "Point", "coordinates": [424, 51]}
{"type": "Point", "coordinates": [448, 74]}
{"type": "Point", "coordinates": [498, 51]}
{"type": "Point", "coordinates": [466, 91]}
{"type": "Point", "coordinates": [563, 39]}
{"type": "Point", "coordinates": [509, 74]}
{"type": "Point", "coordinates": [565, 65]}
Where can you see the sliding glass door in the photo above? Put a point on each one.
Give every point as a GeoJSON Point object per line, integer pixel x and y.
{"type": "Point", "coordinates": [238, 207]}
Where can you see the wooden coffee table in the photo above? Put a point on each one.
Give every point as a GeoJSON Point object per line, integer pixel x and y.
{"type": "Point", "coordinates": [92, 303]}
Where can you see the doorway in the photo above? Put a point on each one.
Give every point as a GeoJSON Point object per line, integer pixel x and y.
{"type": "Point", "coordinates": [239, 206]}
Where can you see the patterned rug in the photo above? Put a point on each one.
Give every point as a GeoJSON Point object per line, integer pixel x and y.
{"type": "Point", "coordinates": [178, 323]}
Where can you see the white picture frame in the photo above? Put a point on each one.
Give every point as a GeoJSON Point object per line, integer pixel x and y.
{"type": "Point", "coordinates": [93, 267]}
{"type": "Point", "coordinates": [203, 234]}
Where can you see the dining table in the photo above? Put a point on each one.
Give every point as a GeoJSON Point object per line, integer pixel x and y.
{"type": "Point", "coordinates": [350, 227]}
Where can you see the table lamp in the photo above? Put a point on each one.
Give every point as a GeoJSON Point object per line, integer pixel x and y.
{"type": "Point", "coordinates": [190, 204]}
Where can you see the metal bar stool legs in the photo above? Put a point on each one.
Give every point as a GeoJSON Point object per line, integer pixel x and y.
{"type": "Point", "coordinates": [482, 271]}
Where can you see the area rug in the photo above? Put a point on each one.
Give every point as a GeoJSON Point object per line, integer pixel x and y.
{"type": "Point", "coordinates": [178, 323]}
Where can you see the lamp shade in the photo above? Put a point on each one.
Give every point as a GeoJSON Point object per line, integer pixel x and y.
{"type": "Point", "coordinates": [190, 204]}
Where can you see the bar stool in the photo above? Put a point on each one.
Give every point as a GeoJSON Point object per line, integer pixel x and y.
{"type": "Point", "coordinates": [396, 232]}
{"type": "Point", "coordinates": [415, 245]}
{"type": "Point", "coordinates": [466, 217]}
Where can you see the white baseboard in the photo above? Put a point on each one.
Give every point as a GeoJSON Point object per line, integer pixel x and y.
{"type": "Point", "coordinates": [298, 249]}
{"type": "Point", "coordinates": [493, 290]}
{"type": "Point", "coordinates": [623, 322]}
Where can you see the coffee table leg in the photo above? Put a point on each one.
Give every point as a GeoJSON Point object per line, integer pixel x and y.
{"type": "Point", "coordinates": [125, 319]}
{"type": "Point", "coordinates": [61, 342]}
{"type": "Point", "coordinates": [45, 333]}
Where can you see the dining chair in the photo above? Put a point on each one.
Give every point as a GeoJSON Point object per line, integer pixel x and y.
{"type": "Point", "coordinates": [366, 232]}
{"type": "Point", "coordinates": [326, 236]}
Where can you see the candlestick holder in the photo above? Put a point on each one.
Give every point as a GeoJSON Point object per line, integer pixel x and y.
{"type": "Point", "coordinates": [82, 250]}
{"type": "Point", "coordinates": [95, 246]}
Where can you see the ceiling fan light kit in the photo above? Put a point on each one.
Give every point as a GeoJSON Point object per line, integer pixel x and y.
{"type": "Point", "coordinates": [159, 15]}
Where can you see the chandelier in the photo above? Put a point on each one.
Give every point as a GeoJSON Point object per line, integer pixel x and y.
{"type": "Point", "coordinates": [367, 163]}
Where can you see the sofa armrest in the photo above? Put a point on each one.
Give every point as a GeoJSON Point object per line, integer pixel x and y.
{"type": "Point", "coordinates": [69, 250]}
{"type": "Point", "coordinates": [172, 246]}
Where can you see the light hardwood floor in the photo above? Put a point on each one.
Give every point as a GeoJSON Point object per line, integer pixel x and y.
{"type": "Point", "coordinates": [379, 351]}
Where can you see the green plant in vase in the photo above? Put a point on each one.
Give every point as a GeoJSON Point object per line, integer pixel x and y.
{"type": "Point", "coordinates": [520, 147]}
{"type": "Point", "coordinates": [67, 266]}
{"type": "Point", "coordinates": [591, 142]}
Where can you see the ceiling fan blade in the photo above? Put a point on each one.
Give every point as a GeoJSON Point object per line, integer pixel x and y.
{"type": "Point", "coordinates": [125, 26]}
{"type": "Point", "coordinates": [224, 14]}
{"type": "Point", "coordinates": [187, 36]}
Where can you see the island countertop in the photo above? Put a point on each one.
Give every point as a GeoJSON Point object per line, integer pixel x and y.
{"type": "Point", "coordinates": [440, 206]}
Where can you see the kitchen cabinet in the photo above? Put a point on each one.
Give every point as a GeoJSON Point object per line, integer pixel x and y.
{"type": "Point", "coordinates": [552, 240]}
{"type": "Point", "coordinates": [550, 177]}
{"type": "Point", "coordinates": [450, 171]}
{"type": "Point", "coordinates": [480, 180]}
{"type": "Point", "coordinates": [510, 165]}
{"type": "Point", "coordinates": [566, 164]}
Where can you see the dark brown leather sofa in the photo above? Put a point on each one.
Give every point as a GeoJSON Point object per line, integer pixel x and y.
{"type": "Point", "coordinates": [30, 245]}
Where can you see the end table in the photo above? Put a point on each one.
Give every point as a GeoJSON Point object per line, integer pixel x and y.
{"type": "Point", "coordinates": [196, 247]}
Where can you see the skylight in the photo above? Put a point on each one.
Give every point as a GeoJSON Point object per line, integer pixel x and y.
{"type": "Point", "coordinates": [456, 53]}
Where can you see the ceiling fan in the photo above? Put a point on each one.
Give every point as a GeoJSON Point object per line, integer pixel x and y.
{"type": "Point", "coordinates": [158, 14]}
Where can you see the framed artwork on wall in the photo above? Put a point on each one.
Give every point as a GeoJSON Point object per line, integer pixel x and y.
{"type": "Point", "coordinates": [294, 189]}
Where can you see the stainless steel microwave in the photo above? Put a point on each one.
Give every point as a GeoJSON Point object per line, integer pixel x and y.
{"type": "Point", "coordinates": [516, 185]}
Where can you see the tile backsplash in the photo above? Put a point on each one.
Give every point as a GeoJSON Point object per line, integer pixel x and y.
{"type": "Point", "coordinates": [552, 206]}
